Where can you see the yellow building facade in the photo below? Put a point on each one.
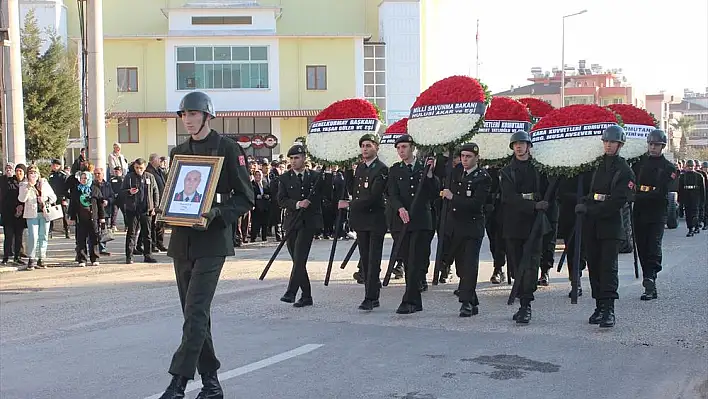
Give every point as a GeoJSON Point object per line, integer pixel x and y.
{"type": "Point", "coordinates": [268, 67]}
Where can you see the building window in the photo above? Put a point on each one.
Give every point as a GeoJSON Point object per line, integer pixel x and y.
{"type": "Point", "coordinates": [226, 20]}
{"type": "Point", "coordinates": [618, 101]}
{"type": "Point", "coordinates": [129, 130]}
{"type": "Point", "coordinates": [375, 75]}
{"type": "Point", "coordinates": [235, 128]}
{"type": "Point", "coordinates": [222, 67]}
{"type": "Point", "coordinates": [127, 79]}
{"type": "Point", "coordinates": [316, 77]}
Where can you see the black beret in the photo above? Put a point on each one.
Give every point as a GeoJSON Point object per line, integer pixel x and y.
{"type": "Point", "coordinates": [406, 138]}
{"type": "Point", "coordinates": [471, 147]}
{"type": "Point", "coordinates": [297, 149]}
{"type": "Point", "coordinates": [56, 162]}
{"type": "Point", "coordinates": [369, 137]}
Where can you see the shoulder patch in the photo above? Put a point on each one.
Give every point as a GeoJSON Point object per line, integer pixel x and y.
{"type": "Point", "coordinates": [673, 176]}
{"type": "Point", "coordinates": [630, 185]}
{"type": "Point", "coordinates": [242, 160]}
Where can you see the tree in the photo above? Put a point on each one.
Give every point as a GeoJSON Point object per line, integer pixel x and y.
{"type": "Point", "coordinates": [51, 92]}
{"type": "Point", "coordinates": [685, 125]}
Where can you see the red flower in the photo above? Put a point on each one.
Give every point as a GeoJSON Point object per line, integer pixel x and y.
{"type": "Point", "coordinates": [400, 127]}
{"type": "Point", "coordinates": [507, 109]}
{"type": "Point", "coordinates": [538, 108]}
{"type": "Point", "coordinates": [576, 115]}
{"type": "Point", "coordinates": [451, 90]}
{"type": "Point", "coordinates": [353, 108]}
{"type": "Point", "coordinates": [633, 115]}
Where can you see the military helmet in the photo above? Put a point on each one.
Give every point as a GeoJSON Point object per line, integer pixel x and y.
{"type": "Point", "coordinates": [520, 135]}
{"type": "Point", "coordinates": [705, 164]}
{"type": "Point", "coordinates": [614, 133]}
{"type": "Point", "coordinates": [196, 101]}
{"type": "Point", "coordinates": [689, 163]}
{"type": "Point", "coordinates": [657, 136]}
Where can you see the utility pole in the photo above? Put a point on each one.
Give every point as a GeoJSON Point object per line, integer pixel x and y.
{"type": "Point", "coordinates": [95, 83]}
{"type": "Point", "coordinates": [13, 108]}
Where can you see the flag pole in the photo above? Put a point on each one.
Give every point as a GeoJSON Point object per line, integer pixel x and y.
{"type": "Point", "coordinates": [477, 42]}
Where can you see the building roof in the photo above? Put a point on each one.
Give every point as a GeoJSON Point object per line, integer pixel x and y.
{"type": "Point", "coordinates": [687, 106]}
{"type": "Point", "coordinates": [535, 89]}
{"type": "Point", "coordinates": [278, 113]}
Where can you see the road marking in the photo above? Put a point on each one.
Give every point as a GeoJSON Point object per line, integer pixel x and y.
{"type": "Point", "coordinates": [227, 375]}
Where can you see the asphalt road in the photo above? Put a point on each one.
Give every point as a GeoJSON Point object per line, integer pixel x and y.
{"type": "Point", "coordinates": [110, 331]}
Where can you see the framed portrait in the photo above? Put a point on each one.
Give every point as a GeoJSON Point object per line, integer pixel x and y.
{"type": "Point", "coordinates": [189, 190]}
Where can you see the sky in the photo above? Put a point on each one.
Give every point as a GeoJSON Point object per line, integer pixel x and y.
{"type": "Point", "coordinates": [660, 45]}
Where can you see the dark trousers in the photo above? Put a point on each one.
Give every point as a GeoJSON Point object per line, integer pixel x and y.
{"type": "Point", "coordinates": [329, 214]}
{"type": "Point", "coordinates": [548, 249]}
{"type": "Point", "coordinates": [13, 230]}
{"type": "Point", "coordinates": [86, 241]}
{"type": "Point", "coordinates": [259, 224]}
{"type": "Point", "coordinates": [135, 221]}
{"type": "Point", "coordinates": [299, 244]}
{"type": "Point", "coordinates": [465, 251]}
{"type": "Point", "coordinates": [570, 256]}
{"type": "Point", "coordinates": [370, 251]}
{"type": "Point", "coordinates": [529, 282]}
{"type": "Point", "coordinates": [196, 282]}
{"type": "Point", "coordinates": [602, 265]}
{"type": "Point", "coordinates": [415, 252]}
{"type": "Point", "coordinates": [157, 232]}
{"type": "Point", "coordinates": [496, 242]}
{"type": "Point", "coordinates": [648, 237]}
{"type": "Point", "coordinates": [114, 215]}
{"type": "Point", "coordinates": [691, 214]}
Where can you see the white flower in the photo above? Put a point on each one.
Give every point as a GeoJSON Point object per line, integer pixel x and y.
{"type": "Point", "coordinates": [636, 144]}
{"type": "Point", "coordinates": [388, 154]}
{"type": "Point", "coordinates": [493, 146]}
{"type": "Point", "coordinates": [568, 152]}
{"type": "Point", "coordinates": [442, 129]}
{"type": "Point", "coordinates": [335, 146]}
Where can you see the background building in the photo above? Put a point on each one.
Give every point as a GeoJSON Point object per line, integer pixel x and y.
{"type": "Point", "coordinates": [694, 106]}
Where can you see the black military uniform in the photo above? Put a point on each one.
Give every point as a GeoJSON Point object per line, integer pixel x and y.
{"type": "Point", "coordinates": [691, 193]}
{"type": "Point", "coordinates": [403, 181]}
{"type": "Point", "coordinates": [567, 200]}
{"type": "Point", "coordinates": [702, 215]}
{"type": "Point", "coordinates": [294, 187]}
{"type": "Point", "coordinates": [655, 176]}
{"type": "Point", "coordinates": [522, 186]}
{"type": "Point", "coordinates": [493, 226]}
{"type": "Point", "coordinates": [199, 253]}
{"type": "Point", "coordinates": [611, 186]}
{"type": "Point", "coordinates": [367, 218]}
{"type": "Point", "coordinates": [464, 227]}
{"type": "Point", "coordinates": [548, 246]}
{"type": "Point", "coordinates": [705, 207]}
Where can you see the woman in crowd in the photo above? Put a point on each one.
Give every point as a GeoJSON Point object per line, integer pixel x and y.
{"type": "Point", "coordinates": [36, 194]}
{"type": "Point", "coordinates": [12, 216]}
{"type": "Point", "coordinates": [86, 210]}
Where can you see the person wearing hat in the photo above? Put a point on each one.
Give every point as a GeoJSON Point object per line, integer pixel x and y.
{"type": "Point", "coordinates": [199, 251]}
{"type": "Point", "coordinates": [13, 220]}
{"type": "Point", "coordinates": [464, 227]}
{"type": "Point", "coordinates": [691, 192]}
{"type": "Point", "coordinates": [300, 192]}
{"type": "Point", "coordinates": [367, 216]}
{"type": "Point", "coordinates": [612, 185]}
{"type": "Point", "coordinates": [403, 181]}
{"type": "Point", "coordinates": [655, 178]}
{"type": "Point", "coordinates": [522, 187]}
{"type": "Point", "coordinates": [57, 179]}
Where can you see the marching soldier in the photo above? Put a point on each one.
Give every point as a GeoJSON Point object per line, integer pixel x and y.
{"type": "Point", "coordinates": [464, 227]}
{"type": "Point", "coordinates": [367, 216]}
{"type": "Point", "coordinates": [611, 186]}
{"type": "Point", "coordinates": [522, 186]}
{"type": "Point", "coordinates": [691, 193]}
{"type": "Point", "coordinates": [655, 176]}
{"type": "Point", "coordinates": [403, 181]}
{"type": "Point", "coordinates": [567, 200]}
{"type": "Point", "coordinates": [493, 225]}
{"type": "Point", "coordinates": [199, 251]}
{"type": "Point", "coordinates": [300, 191]}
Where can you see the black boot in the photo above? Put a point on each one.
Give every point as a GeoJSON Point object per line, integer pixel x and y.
{"type": "Point", "coordinates": [649, 289]}
{"type": "Point", "coordinates": [398, 270]}
{"type": "Point", "coordinates": [523, 316]}
{"type": "Point", "coordinates": [597, 314]}
{"type": "Point", "coordinates": [608, 314]}
{"type": "Point", "coordinates": [690, 233]}
{"type": "Point", "coordinates": [467, 310]}
{"type": "Point", "coordinates": [211, 389]}
{"type": "Point", "coordinates": [176, 388]}
{"type": "Point", "coordinates": [543, 281]}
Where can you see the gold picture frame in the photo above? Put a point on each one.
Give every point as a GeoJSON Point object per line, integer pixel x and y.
{"type": "Point", "coordinates": [187, 194]}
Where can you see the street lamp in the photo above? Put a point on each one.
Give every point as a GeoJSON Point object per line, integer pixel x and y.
{"type": "Point", "coordinates": [563, 56]}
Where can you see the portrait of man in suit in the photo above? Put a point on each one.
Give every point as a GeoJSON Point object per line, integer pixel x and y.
{"type": "Point", "coordinates": [189, 193]}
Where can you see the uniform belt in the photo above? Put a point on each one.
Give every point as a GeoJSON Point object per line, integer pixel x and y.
{"type": "Point", "coordinates": [528, 196]}
{"type": "Point", "coordinates": [600, 197]}
{"type": "Point", "coordinates": [689, 187]}
{"type": "Point", "coordinates": [646, 188]}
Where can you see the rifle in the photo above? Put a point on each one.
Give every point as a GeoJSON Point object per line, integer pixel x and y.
{"type": "Point", "coordinates": [565, 250]}
{"type": "Point", "coordinates": [349, 254]}
{"type": "Point", "coordinates": [337, 231]}
{"type": "Point", "coordinates": [290, 231]}
{"type": "Point", "coordinates": [443, 216]}
{"type": "Point", "coordinates": [575, 280]}
{"type": "Point", "coordinates": [634, 240]}
{"type": "Point", "coordinates": [397, 244]}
